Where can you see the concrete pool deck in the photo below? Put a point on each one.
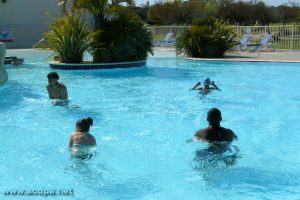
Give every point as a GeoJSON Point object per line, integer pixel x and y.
{"type": "Point", "coordinates": [276, 56]}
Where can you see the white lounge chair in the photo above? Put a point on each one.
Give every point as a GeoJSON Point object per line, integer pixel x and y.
{"type": "Point", "coordinates": [169, 38]}
{"type": "Point", "coordinates": [244, 41]}
{"type": "Point", "coordinates": [264, 42]}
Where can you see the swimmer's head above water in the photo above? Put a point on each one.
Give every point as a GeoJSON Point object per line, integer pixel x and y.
{"type": "Point", "coordinates": [206, 81]}
{"type": "Point", "coordinates": [206, 85]}
{"type": "Point", "coordinates": [84, 124]}
{"type": "Point", "coordinates": [214, 116]}
{"type": "Point", "coordinates": [52, 77]}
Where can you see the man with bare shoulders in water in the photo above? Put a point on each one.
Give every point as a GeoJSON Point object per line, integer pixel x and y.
{"type": "Point", "coordinates": [55, 89]}
{"type": "Point", "coordinates": [214, 133]}
{"type": "Point", "coordinates": [219, 141]}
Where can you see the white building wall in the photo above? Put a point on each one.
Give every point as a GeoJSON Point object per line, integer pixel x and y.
{"type": "Point", "coordinates": [27, 19]}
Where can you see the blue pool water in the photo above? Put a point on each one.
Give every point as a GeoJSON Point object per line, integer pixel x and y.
{"type": "Point", "coordinates": [142, 120]}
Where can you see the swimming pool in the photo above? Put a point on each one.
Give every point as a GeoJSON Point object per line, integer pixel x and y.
{"type": "Point", "coordinates": [142, 119]}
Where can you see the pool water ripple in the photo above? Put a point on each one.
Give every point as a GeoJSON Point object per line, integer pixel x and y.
{"type": "Point", "coordinates": [142, 120]}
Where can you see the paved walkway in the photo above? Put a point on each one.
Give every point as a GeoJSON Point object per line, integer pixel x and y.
{"type": "Point", "coordinates": [276, 56]}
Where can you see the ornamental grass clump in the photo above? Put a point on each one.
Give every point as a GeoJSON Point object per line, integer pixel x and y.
{"type": "Point", "coordinates": [69, 38]}
{"type": "Point", "coordinates": [211, 38]}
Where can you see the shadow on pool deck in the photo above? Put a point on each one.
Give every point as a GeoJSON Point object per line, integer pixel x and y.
{"type": "Point", "coordinates": [276, 56]}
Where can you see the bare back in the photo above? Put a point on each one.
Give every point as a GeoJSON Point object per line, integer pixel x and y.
{"type": "Point", "coordinates": [216, 134]}
{"type": "Point", "coordinates": [84, 139]}
{"type": "Point", "coordinates": [59, 91]}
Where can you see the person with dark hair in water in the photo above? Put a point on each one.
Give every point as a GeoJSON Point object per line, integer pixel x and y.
{"type": "Point", "coordinates": [218, 139]}
{"type": "Point", "coordinates": [214, 133]}
{"type": "Point", "coordinates": [81, 140]}
{"type": "Point", "coordinates": [55, 89]}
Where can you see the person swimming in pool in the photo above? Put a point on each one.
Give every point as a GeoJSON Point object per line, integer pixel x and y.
{"type": "Point", "coordinates": [81, 140]}
{"type": "Point", "coordinates": [55, 89]}
{"type": "Point", "coordinates": [214, 133]}
{"type": "Point", "coordinates": [16, 62]}
{"type": "Point", "coordinates": [218, 138]}
{"type": "Point", "coordinates": [206, 89]}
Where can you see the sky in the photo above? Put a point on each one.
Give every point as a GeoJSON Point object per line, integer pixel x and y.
{"type": "Point", "coordinates": [268, 2]}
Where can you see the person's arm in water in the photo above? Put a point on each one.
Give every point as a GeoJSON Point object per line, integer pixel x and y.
{"type": "Point", "coordinates": [71, 141]}
{"type": "Point", "coordinates": [64, 92]}
{"type": "Point", "coordinates": [214, 85]}
{"type": "Point", "coordinates": [195, 87]}
{"type": "Point", "coordinates": [49, 92]}
{"type": "Point", "coordinates": [194, 139]}
{"type": "Point", "coordinates": [234, 136]}
{"type": "Point", "coordinates": [200, 135]}
{"type": "Point", "coordinates": [93, 141]}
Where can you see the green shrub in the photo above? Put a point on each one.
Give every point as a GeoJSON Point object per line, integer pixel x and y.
{"type": "Point", "coordinates": [210, 38]}
{"type": "Point", "coordinates": [69, 38]}
{"type": "Point", "coordinates": [123, 37]}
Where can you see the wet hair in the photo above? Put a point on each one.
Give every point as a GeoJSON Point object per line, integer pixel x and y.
{"type": "Point", "coordinates": [214, 116]}
{"type": "Point", "coordinates": [84, 124]}
{"type": "Point", "coordinates": [207, 79]}
{"type": "Point", "coordinates": [53, 75]}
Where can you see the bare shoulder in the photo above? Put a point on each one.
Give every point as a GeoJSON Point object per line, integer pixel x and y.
{"type": "Point", "coordinates": [92, 139]}
{"type": "Point", "coordinates": [62, 85]}
{"type": "Point", "coordinates": [231, 133]}
{"type": "Point", "coordinates": [72, 135]}
{"type": "Point", "coordinates": [201, 133]}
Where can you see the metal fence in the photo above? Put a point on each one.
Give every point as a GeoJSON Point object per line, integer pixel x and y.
{"type": "Point", "coordinates": [285, 37]}
{"type": "Point", "coordinates": [161, 32]}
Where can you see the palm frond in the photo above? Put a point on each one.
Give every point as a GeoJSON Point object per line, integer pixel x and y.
{"type": "Point", "coordinates": [69, 38]}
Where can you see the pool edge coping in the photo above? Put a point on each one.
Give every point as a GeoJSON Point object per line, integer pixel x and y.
{"type": "Point", "coordinates": [240, 60]}
{"type": "Point", "coordinates": [96, 66]}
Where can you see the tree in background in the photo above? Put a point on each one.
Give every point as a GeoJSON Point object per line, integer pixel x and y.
{"type": "Point", "coordinates": [141, 11]}
{"type": "Point", "coordinates": [286, 13]}
{"type": "Point", "coordinates": [166, 13]}
{"type": "Point", "coordinates": [245, 13]}
{"type": "Point", "coordinates": [181, 12]}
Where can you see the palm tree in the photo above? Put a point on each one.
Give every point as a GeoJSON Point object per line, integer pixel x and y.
{"type": "Point", "coordinates": [63, 6]}
{"type": "Point", "coordinates": [111, 17]}
{"type": "Point", "coordinates": [100, 9]}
